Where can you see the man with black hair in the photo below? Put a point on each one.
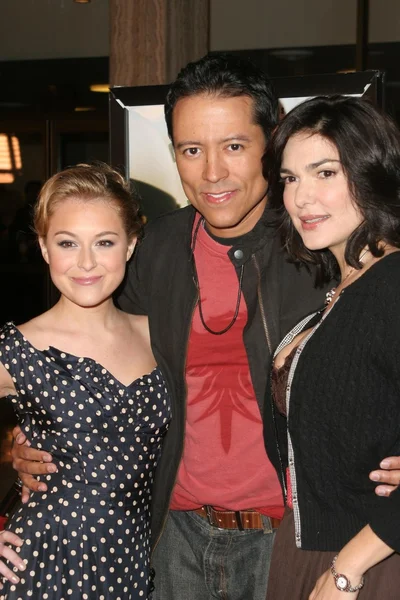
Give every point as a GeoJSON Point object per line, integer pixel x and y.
{"type": "Point", "coordinates": [220, 295]}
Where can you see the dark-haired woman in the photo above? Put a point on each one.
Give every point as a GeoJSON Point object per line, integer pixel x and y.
{"type": "Point", "coordinates": [334, 174]}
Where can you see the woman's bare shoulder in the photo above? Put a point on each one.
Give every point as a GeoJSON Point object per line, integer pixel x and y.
{"type": "Point", "coordinates": [37, 330]}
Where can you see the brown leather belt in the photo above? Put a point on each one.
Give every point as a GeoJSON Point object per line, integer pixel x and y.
{"type": "Point", "coordinates": [230, 519]}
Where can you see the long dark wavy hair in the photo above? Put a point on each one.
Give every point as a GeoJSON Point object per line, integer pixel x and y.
{"type": "Point", "coordinates": [368, 143]}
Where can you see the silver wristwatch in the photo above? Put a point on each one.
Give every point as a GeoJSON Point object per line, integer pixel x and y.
{"type": "Point", "coordinates": [342, 582]}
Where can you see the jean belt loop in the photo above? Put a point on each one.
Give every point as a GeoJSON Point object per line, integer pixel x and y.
{"type": "Point", "coordinates": [267, 524]}
{"type": "Point", "coordinates": [209, 514]}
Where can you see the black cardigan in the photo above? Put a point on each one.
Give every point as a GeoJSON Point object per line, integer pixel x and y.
{"type": "Point", "coordinates": [344, 415]}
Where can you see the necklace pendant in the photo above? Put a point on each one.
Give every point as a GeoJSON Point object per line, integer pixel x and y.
{"type": "Point", "coordinates": [329, 296]}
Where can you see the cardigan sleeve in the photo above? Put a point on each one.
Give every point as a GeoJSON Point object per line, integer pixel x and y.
{"type": "Point", "coordinates": [383, 512]}
{"type": "Point", "coordinates": [385, 519]}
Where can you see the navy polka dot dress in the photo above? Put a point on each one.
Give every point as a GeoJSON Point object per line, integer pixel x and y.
{"type": "Point", "coordinates": [88, 536]}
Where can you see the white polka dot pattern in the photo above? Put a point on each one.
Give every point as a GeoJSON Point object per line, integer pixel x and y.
{"type": "Point", "coordinates": [88, 536]}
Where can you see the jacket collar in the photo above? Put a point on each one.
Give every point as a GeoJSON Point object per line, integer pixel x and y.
{"type": "Point", "coordinates": [246, 245]}
{"type": "Point", "coordinates": [262, 234]}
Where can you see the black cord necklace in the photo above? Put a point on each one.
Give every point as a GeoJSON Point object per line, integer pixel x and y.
{"type": "Point", "coordinates": [196, 279]}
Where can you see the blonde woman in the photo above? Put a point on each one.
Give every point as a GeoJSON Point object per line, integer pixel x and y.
{"type": "Point", "coordinates": [86, 388]}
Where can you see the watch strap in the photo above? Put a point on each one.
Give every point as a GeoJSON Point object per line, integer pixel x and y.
{"type": "Point", "coordinates": [342, 582]}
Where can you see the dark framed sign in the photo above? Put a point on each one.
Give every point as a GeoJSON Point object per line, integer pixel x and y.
{"type": "Point", "coordinates": [139, 141]}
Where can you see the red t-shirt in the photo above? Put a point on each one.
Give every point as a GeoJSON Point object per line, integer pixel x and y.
{"type": "Point", "coordinates": [224, 462]}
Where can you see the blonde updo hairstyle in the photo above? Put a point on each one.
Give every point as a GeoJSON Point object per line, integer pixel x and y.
{"type": "Point", "coordinates": [88, 182]}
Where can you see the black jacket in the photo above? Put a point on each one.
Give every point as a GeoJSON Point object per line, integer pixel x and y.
{"type": "Point", "coordinates": [160, 284]}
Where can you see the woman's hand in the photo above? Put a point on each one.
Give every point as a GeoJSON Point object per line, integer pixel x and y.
{"type": "Point", "coordinates": [325, 589]}
{"type": "Point", "coordinates": [361, 553]}
{"type": "Point", "coordinates": [8, 537]}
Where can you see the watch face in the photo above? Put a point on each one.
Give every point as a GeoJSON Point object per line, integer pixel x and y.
{"type": "Point", "coordinates": [342, 582]}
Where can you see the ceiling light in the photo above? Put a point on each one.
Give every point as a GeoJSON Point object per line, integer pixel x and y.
{"type": "Point", "coordinates": [84, 108]}
{"type": "Point", "coordinates": [103, 88]}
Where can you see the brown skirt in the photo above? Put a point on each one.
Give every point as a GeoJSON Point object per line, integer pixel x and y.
{"type": "Point", "coordinates": [294, 572]}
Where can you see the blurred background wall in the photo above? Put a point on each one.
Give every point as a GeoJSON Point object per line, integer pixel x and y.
{"type": "Point", "coordinates": [49, 29]}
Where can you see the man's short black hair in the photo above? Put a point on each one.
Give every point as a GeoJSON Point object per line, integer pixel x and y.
{"type": "Point", "coordinates": [227, 76]}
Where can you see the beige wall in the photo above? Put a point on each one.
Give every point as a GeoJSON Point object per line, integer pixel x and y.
{"type": "Point", "coordinates": [36, 29]}
{"type": "Point", "coordinates": [384, 21]}
{"type": "Point", "coordinates": [284, 23]}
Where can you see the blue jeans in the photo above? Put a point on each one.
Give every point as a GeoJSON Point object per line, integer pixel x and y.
{"type": "Point", "coordinates": [196, 561]}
